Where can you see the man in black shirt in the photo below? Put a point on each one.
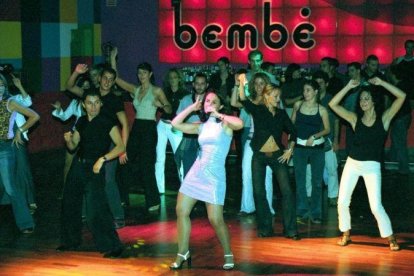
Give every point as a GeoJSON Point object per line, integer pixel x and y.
{"type": "Point", "coordinates": [113, 108]}
{"type": "Point", "coordinates": [92, 136]}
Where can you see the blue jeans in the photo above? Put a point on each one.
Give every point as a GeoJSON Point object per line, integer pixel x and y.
{"type": "Point", "coordinates": [24, 178]}
{"type": "Point", "coordinates": [7, 173]}
{"type": "Point", "coordinates": [316, 158]}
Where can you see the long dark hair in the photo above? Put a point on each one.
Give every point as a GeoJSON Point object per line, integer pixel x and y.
{"type": "Point", "coordinates": [377, 98]}
{"type": "Point", "coordinates": [205, 116]}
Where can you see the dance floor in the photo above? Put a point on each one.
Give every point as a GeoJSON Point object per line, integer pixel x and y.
{"type": "Point", "coordinates": [150, 239]}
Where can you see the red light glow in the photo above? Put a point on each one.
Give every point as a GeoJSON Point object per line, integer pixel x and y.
{"type": "Point", "coordinates": [326, 46]}
{"type": "Point", "coordinates": [168, 52]}
{"type": "Point", "coordinates": [350, 49]}
{"type": "Point", "coordinates": [165, 23]}
{"type": "Point", "coordinates": [220, 17]}
{"type": "Point", "coordinates": [324, 20]}
{"type": "Point", "coordinates": [349, 24]}
{"type": "Point", "coordinates": [273, 3]}
{"type": "Point", "coordinates": [194, 4]}
{"type": "Point", "coordinates": [196, 55]}
{"type": "Point", "coordinates": [378, 28]}
{"type": "Point", "coordinates": [270, 54]}
{"type": "Point", "coordinates": [245, 4]}
{"type": "Point", "coordinates": [213, 56]}
{"type": "Point", "coordinates": [291, 54]}
{"type": "Point", "coordinates": [164, 4]}
{"type": "Point", "coordinates": [219, 4]}
{"type": "Point", "coordinates": [296, 3]}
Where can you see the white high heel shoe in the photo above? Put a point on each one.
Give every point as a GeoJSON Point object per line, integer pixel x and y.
{"type": "Point", "coordinates": [228, 266]}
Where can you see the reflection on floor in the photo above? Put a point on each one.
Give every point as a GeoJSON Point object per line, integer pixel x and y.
{"type": "Point", "coordinates": [151, 238]}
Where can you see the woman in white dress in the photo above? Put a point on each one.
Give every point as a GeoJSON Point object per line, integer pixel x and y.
{"type": "Point", "coordinates": [206, 180]}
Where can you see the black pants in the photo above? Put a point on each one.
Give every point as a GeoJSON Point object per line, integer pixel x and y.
{"type": "Point", "coordinates": [82, 181]}
{"type": "Point", "coordinates": [141, 152]}
{"type": "Point", "coordinates": [263, 216]}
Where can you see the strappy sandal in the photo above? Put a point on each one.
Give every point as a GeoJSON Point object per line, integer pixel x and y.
{"type": "Point", "coordinates": [228, 265]}
{"type": "Point", "coordinates": [185, 258]}
{"type": "Point", "coordinates": [344, 240]}
{"type": "Point", "coordinates": [394, 246]}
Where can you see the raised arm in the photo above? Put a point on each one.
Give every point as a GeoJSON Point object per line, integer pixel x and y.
{"type": "Point", "coordinates": [338, 109]}
{"type": "Point", "coordinates": [242, 82]}
{"type": "Point", "coordinates": [178, 121]}
{"type": "Point", "coordinates": [74, 109]}
{"type": "Point", "coordinates": [71, 82]}
{"type": "Point", "coordinates": [229, 122]}
{"type": "Point", "coordinates": [25, 100]}
{"type": "Point", "coordinates": [114, 153]}
{"type": "Point", "coordinates": [397, 103]}
{"type": "Point", "coordinates": [234, 100]}
{"type": "Point", "coordinates": [123, 84]}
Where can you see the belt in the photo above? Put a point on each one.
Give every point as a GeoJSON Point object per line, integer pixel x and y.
{"type": "Point", "coordinates": [316, 142]}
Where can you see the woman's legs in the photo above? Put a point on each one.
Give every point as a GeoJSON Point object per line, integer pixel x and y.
{"type": "Point", "coordinates": [183, 209]}
{"type": "Point", "coordinates": [372, 178]}
{"type": "Point", "coordinates": [215, 216]}
{"type": "Point", "coordinates": [349, 180]}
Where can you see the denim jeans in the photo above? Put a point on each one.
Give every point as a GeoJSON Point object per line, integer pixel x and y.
{"type": "Point", "coordinates": [263, 216]}
{"type": "Point", "coordinates": [316, 157]}
{"type": "Point", "coordinates": [7, 173]}
{"type": "Point", "coordinates": [24, 178]}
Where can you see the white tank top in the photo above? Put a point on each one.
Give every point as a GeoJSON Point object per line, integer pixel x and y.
{"type": "Point", "coordinates": [145, 108]}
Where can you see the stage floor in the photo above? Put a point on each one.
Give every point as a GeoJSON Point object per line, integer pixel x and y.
{"type": "Point", "coordinates": [150, 239]}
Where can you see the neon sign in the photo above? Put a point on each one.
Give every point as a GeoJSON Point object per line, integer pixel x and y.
{"type": "Point", "coordinates": [185, 35]}
{"type": "Point", "coordinates": [300, 31]}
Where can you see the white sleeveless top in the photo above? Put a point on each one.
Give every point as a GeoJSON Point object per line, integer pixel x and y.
{"type": "Point", "coordinates": [145, 108]}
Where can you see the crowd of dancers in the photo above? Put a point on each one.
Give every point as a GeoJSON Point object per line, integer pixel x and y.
{"type": "Point", "coordinates": [199, 122]}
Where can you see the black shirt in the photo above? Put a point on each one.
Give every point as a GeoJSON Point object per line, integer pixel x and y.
{"type": "Point", "coordinates": [215, 82]}
{"type": "Point", "coordinates": [112, 104]}
{"type": "Point", "coordinates": [335, 85]}
{"type": "Point", "coordinates": [94, 136]}
{"type": "Point", "coordinates": [265, 125]}
{"type": "Point", "coordinates": [368, 143]}
{"type": "Point", "coordinates": [174, 99]}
